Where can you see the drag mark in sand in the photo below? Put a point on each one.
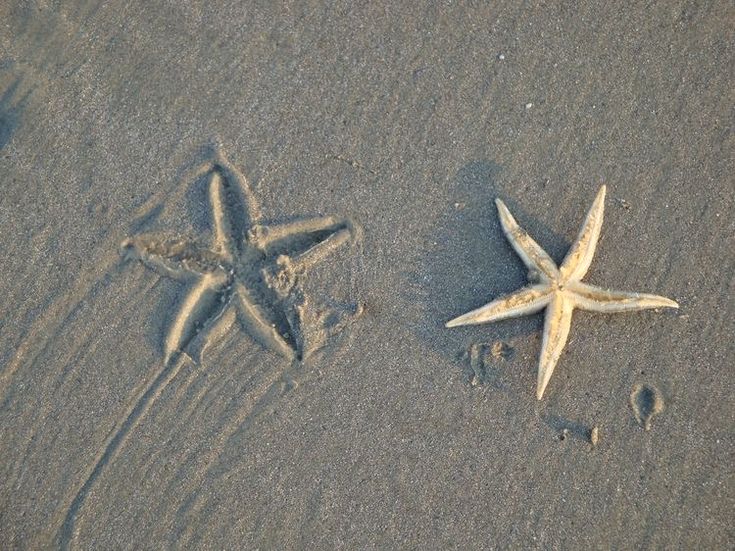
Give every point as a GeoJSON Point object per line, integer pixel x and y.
{"type": "Point", "coordinates": [140, 405]}
{"type": "Point", "coordinates": [251, 267]}
{"type": "Point", "coordinates": [258, 403]}
{"type": "Point", "coordinates": [559, 290]}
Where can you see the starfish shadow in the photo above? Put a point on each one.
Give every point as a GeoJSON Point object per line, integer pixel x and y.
{"type": "Point", "coordinates": [195, 209]}
{"type": "Point", "coordinates": [473, 263]}
{"type": "Point", "coordinates": [11, 109]}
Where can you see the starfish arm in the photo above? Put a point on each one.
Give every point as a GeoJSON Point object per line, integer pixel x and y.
{"type": "Point", "coordinates": [590, 297]}
{"type": "Point", "coordinates": [175, 258]}
{"type": "Point", "coordinates": [533, 256]}
{"type": "Point", "coordinates": [235, 208]}
{"type": "Point", "coordinates": [528, 300]}
{"type": "Point", "coordinates": [225, 242]}
{"type": "Point", "coordinates": [556, 330]}
{"type": "Point", "coordinates": [256, 323]}
{"type": "Point", "coordinates": [320, 250]}
{"type": "Point", "coordinates": [203, 305]}
{"type": "Point", "coordinates": [579, 257]}
{"type": "Point", "coordinates": [213, 330]}
{"type": "Point", "coordinates": [283, 235]}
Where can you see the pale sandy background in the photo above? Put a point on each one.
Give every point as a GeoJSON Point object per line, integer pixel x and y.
{"type": "Point", "coordinates": [409, 120]}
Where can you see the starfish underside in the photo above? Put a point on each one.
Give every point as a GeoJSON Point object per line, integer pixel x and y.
{"type": "Point", "coordinates": [558, 289]}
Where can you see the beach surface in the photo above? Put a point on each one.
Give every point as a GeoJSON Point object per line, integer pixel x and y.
{"type": "Point", "coordinates": [321, 403]}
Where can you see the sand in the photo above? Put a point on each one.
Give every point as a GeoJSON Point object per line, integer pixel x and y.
{"type": "Point", "coordinates": [392, 432]}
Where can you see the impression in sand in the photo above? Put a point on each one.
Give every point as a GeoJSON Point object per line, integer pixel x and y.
{"type": "Point", "coordinates": [249, 266]}
{"type": "Point", "coordinates": [249, 272]}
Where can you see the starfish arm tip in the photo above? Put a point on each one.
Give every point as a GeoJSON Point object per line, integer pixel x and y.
{"type": "Point", "coordinates": [656, 301]}
{"type": "Point", "coordinates": [500, 205]}
{"type": "Point", "coordinates": [540, 389]}
{"type": "Point", "coordinates": [470, 318]}
{"type": "Point", "coordinates": [542, 383]}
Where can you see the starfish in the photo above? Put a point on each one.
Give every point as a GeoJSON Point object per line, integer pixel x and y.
{"type": "Point", "coordinates": [558, 289]}
{"type": "Point", "coordinates": [248, 265]}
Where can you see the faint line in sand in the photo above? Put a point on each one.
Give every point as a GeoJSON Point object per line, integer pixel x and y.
{"type": "Point", "coordinates": [35, 341]}
{"type": "Point", "coordinates": [242, 420]}
{"type": "Point", "coordinates": [140, 405]}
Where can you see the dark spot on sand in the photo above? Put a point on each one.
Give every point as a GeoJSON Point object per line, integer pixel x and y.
{"type": "Point", "coordinates": [646, 402]}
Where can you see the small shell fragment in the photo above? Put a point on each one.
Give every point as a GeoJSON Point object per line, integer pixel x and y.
{"type": "Point", "coordinates": [594, 436]}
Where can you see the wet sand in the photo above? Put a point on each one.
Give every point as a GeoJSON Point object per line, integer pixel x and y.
{"type": "Point", "coordinates": [381, 429]}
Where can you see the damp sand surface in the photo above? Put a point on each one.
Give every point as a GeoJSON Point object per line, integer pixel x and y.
{"type": "Point", "coordinates": [143, 406]}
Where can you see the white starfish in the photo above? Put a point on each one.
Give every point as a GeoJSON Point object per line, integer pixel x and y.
{"type": "Point", "coordinates": [558, 289]}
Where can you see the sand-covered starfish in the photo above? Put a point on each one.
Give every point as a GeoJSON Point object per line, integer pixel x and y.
{"type": "Point", "coordinates": [558, 289]}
